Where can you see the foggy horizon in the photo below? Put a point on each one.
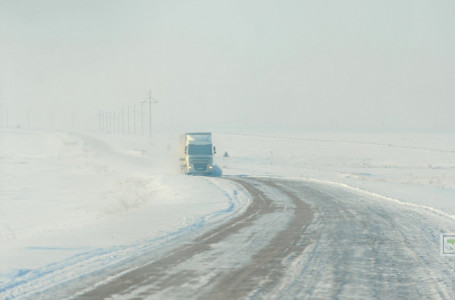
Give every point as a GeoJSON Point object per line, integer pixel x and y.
{"type": "Point", "coordinates": [229, 64]}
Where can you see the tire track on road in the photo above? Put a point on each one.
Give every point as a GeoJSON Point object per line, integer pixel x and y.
{"type": "Point", "coordinates": [263, 272]}
{"type": "Point", "coordinates": [368, 248]}
{"type": "Point", "coordinates": [267, 266]}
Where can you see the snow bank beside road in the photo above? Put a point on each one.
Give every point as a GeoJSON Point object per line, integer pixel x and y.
{"type": "Point", "coordinates": [66, 196]}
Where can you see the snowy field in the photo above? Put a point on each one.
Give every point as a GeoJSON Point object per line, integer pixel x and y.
{"type": "Point", "coordinates": [412, 167]}
{"type": "Point", "coordinates": [73, 203]}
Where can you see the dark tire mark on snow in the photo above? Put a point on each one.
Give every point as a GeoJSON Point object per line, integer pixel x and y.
{"type": "Point", "coordinates": [266, 267]}
{"type": "Point", "coordinates": [350, 246]}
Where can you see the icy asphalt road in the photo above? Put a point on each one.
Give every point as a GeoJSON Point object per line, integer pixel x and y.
{"type": "Point", "coordinates": [298, 239]}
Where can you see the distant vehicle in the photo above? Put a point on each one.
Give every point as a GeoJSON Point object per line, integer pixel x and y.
{"type": "Point", "coordinates": [196, 153]}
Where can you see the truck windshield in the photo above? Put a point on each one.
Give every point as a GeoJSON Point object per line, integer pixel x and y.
{"type": "Point", "coordinates": [200, 149]}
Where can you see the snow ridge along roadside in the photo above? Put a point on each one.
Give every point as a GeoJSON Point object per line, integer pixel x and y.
{"type": "Point", "coordinates": [77, 204]}
{"type": "Point", "coordinates": [108, 260]}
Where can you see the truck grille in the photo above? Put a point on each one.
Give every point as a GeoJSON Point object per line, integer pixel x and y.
{"type": "Point", "coordinates": [200, 167]}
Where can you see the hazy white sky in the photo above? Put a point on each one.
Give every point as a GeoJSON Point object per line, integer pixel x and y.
{"type": "Point", "coordinates": [328, 63]}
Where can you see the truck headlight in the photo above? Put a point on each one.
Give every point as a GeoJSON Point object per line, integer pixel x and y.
{"type": "Point", "coordinates": [210, 167]}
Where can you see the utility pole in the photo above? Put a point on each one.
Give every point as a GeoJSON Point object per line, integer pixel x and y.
{"type": "Point", "coordinates": [150, 109]}
{"type": "Point", "coordinates": [51, 119]}
{"type": "Point", "coordinates": [100, 120]}
{"type": "Point", "coordinates": [134, 118]}
{"type": "Point", "coordinates": [123, 120]}
{"type": "Point", "coordinates": [113, 128]}
{"type": "Point", "coordinates": [104, 121]}
{"type": "Point", "coordinates": [128, 117]}
{"type": "Point", "coordinates": [142, 118]}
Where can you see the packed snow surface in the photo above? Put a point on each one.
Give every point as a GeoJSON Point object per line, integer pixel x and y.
{"type": "Point", "coordinates": [72, 203]}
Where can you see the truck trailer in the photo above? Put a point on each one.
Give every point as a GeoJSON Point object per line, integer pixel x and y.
{"type": "Point", "coordinates": [196, 153]}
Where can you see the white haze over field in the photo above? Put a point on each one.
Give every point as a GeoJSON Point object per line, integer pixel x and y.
{"type": "Point", "coordinates": [356, 94]}
{"type": "Point", "coordinates": [228, 64]}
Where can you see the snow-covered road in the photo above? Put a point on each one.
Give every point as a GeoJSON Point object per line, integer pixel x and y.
{"type": "Point", "coordinates": [298, 239]}
{"type": "Point", "coordinates": [91, 216]}
{"type": "Point", "coordinates": [362, 246]}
